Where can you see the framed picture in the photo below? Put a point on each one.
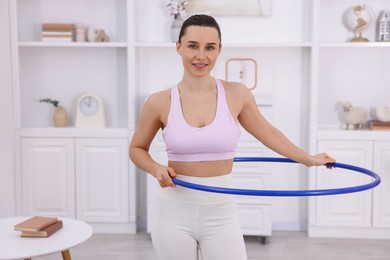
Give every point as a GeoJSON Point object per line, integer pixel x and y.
{"type": "Point", "coordinates": [230, 7]}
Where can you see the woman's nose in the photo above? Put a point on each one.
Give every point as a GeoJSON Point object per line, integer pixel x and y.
{"type": "Point", "coordinates": [200, 54]}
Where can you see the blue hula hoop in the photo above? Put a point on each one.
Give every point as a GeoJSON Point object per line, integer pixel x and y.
{"type": "Point", "coordinates": [287, 193]}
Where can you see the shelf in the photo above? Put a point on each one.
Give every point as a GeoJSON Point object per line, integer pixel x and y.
{"type": "Point", "coordinates": [352, 135]}
{"type": "Point", "coordinates": [355, 44]}
{"type": "Point", "coordinates": [269, 45]}
{"type": "Point", "coordinates": [232, 45]}
{"type": "Point", "coordinates": [71, 132]}
{"type": "Point", "coordinates": [74, 44]}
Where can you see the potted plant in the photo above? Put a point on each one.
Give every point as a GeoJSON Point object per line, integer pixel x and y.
{"type": "Point", "coordinates": [177, 9]}
{"type": "Point", "coordinates": [60, 117]}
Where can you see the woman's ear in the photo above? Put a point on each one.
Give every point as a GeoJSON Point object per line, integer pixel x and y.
{"type": "Point", "coordinates": [178, 47]}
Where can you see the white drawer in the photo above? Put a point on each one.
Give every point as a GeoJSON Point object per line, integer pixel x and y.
{"type": "Point", "coordinates": [255, 220]}
{"type": "Point", "coordinates": [252, 181]}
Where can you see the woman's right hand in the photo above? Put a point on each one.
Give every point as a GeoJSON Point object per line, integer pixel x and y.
{"type": "Point", "coordinates": [164, 177]}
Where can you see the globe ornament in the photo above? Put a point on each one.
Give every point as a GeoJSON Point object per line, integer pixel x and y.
{"type": "Point", "coordinates": [358, 19]}
{"type": "Point", "coordinates": [383, 114]}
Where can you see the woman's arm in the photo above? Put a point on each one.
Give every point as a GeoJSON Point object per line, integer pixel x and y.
{"type": "Point", "coordinates": [148, 126]}
{"type": "Point", "coordinates": [252, 120]}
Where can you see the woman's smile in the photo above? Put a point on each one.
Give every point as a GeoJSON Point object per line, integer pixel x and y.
{"type": "Point", "coordinates": [199, 66]}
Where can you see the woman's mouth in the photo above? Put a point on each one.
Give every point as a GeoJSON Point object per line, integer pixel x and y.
{"type": "Point", "coordinates": [199, 66]}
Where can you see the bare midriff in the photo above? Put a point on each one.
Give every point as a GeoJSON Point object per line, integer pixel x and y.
{"type": "Point", "coordinates": [202, 169]}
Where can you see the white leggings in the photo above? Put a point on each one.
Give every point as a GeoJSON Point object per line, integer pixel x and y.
{"type": "Point", "coordinates": [191, 224]}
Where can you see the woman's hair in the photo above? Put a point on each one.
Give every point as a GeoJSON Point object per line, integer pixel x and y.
{"type": "Point", "coordinates": [200, 20]}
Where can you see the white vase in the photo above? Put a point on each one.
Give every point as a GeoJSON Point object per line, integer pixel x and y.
{"type": "Point", "coordinates": [175, 28]}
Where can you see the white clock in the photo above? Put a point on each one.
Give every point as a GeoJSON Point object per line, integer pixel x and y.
{"type": "Point", "coordinates": [90, 111]}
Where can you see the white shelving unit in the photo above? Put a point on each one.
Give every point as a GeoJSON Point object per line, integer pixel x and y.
{"type": "Point", "coordinates": [347, 71]}
{"type": "Point", "coordinates": [93, 177]}
{"type": "Point", "coordinates": [305, 65]}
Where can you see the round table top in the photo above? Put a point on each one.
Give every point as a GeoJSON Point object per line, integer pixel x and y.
{"type": "Point", "coordinates": [13, 246]}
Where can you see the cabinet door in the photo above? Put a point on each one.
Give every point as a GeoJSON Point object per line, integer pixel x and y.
{"type": "Point", "coordinates": [347, 210]}
{"type": "Point", "coordinates": [102, 179]}
{"type": "Point", "coordinates": [158, 153]}
{"type": "Point", "coordinates": [381, 216]}
{"type": "Point", "coordinates": [254, 211]}
{"type": "Point", "coordinates": [48, 176]}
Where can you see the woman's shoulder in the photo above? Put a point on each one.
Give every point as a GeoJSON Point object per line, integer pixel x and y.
{"type": "Point", "coordinates": [157, 100]}
{"type": "Point", "coordinates": [159, 96]}
{"type": "Point", "coordinates": [235, 88]}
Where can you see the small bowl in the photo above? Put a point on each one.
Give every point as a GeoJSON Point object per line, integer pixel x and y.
{"type": "Point", "coordinates": [383, 114]}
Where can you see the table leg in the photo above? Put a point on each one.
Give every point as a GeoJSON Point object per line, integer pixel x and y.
{"type": "Point", "coordinates": [66, 255]}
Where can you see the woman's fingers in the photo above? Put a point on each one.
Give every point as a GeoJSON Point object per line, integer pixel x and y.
{"type": "Point", "coordinates": [165, 179]}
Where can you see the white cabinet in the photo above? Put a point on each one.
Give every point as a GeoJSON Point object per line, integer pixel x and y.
{"type": "Point", "coordinates": [159, 154]}
{"type": "Point", "coordinates": [349, 210]}
{"type": "Point", "coordinates": [357, 72]}
{"type": "Point", "coordinates": [381, 209]}
{"type": "Point", "coordinates": [254, 212]}
{"type": "Point", "coordinates": [48, 179]}
{"type": "Point", "coordinates": [70, 171]}
{"type": "Point", "coordinates": [83, 178]}
{"type": "Point", "coordinates": [102, 180]}
{"type": "Point", "coordinates": [357, 215]}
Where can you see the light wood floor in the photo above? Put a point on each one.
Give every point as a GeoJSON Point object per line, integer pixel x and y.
{"type": "Point", "coordinates": [280, 246]}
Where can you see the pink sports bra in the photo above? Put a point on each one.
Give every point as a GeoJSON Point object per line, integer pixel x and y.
{"type": "Point", "coordinates": [216, 141]}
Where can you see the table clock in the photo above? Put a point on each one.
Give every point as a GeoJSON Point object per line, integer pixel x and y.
{"type": "Point", "coordinates": [90, 111]}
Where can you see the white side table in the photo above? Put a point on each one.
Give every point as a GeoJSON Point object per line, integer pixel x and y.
{"type": "Point", "coordinates": [13, 246]}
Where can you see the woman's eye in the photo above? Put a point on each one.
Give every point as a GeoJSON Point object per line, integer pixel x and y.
{"type": "Point", "coordinates": [192, 46]}
{"type": "Point", "coordinates": [210, 48]}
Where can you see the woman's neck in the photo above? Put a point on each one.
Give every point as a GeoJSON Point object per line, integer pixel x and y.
{"type": "Point", "coordinates": [197, 84]}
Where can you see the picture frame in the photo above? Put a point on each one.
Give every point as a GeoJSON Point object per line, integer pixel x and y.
{"type": "Point", "coordinates": [230, 7]}
{"type": "Point", "coordinates": [246, 68]}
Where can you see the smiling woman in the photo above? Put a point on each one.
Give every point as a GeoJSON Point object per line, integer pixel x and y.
{"type": "Point", "coordinates": [199, 120]}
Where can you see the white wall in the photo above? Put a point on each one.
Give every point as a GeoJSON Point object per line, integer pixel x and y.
{"type": "Point", "coordinates": [7, 193]}
{"type": "Point", "coordinates": [281, 74]}
{"type": "Point", "coordinates": [288, 22]}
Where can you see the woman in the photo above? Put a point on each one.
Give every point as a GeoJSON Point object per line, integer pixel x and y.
{"type": "Point", "coordinates": [199, 120]}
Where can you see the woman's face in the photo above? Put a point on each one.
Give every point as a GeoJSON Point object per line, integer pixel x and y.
{"type": "Point", "coordinates": [199, 49]}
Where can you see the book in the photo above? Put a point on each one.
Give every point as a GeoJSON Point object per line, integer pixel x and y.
{"type": "Point", "coordinates": [35, 223]}
{"type": "Point", "coordinates": [45, 232]}
{"type": "Point", "coordinates": [378, 125]}
{"type": "Point", "coordinates": [56, 30]}
{"type": "Point", "coordinates": [57, 33]}
{"type": "Point", "coordinates": [380, 128]}
{"type": "Point", "coordinates": [63, 26]}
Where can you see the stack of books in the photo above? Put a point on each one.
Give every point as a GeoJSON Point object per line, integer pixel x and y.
{"type": "Point", "coordinates": [379, 125]}
{"type": "Point", "coordinates": [62, 32]}
{"type": "Point", "coordinates": [39, 226]}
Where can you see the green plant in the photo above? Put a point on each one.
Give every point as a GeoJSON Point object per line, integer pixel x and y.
{"type": "Point", "coordinates": [50, 101]}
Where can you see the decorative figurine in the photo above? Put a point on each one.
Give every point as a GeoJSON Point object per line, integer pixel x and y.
{"type": "Point", "coordinates": [356, 117]}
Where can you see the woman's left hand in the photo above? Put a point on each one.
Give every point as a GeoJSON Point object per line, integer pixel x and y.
{"type": "Point", "coordinates": [321, 159]}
